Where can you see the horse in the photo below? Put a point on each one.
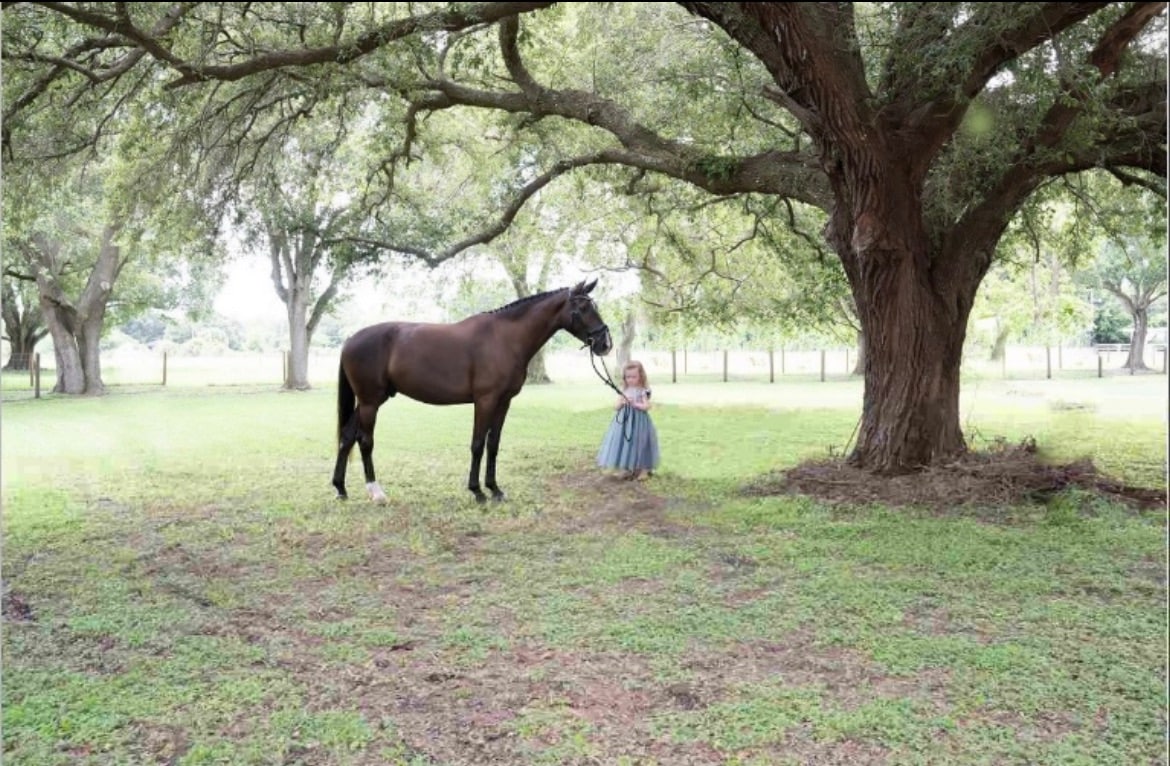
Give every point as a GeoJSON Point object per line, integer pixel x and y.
{"type": "Point", "coordinates": [481, 360]}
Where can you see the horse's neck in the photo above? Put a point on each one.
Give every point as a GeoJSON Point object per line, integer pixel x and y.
{"type": "Point", "coordinates": [537, 326]}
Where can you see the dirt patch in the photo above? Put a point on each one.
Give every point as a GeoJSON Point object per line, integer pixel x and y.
{"type": "Point", "coordinates": [15, 608]}
{"type": "Point", "coordinates": [612, 501]}
{"type": "Point", "coordinates": [998, 478]}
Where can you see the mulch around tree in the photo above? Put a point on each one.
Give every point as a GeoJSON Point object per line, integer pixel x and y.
{"type": "Point", "coordinates": [1002, 477]}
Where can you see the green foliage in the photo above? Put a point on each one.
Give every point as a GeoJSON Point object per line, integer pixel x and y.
{"type": "Point", "coordinates": [1110, 325]}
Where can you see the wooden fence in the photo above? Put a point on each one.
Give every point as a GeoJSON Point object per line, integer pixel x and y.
{"type": "Point", "coordinates": [147, 369]}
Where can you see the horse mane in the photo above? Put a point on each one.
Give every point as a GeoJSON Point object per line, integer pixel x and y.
{"type": "Point", "coordinates": [518, 307]}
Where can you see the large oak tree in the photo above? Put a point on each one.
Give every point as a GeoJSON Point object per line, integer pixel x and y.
{"type": "Point", "coordinates": [918, 128]}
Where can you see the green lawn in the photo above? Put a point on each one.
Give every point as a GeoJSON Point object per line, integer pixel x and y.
{"type": "Point", "coordinates": [181, 587]}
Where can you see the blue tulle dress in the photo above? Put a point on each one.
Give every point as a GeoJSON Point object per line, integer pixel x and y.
{"type": "Point", "coordinates": [631, 441]}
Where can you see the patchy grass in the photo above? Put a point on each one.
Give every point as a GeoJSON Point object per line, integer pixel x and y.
{"type": "Point", "coordinates": [180, 586]}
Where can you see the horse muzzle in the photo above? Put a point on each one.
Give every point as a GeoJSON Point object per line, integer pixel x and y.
{"type": "Point", "coordinates": [600, 342]}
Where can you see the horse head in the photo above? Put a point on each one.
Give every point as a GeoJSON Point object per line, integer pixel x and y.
{"type": "Point", "coordinates": [584, 321]}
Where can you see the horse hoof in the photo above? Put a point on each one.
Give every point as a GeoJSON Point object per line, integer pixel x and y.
{"type": "Point", "coordinates": [498, 497]}
{"type": "Point", "coordinates": [341, 496]}
{"type": "Point", "coordinates": [481, 498]}
{"type": "Point", "coordinates": [377, 496]}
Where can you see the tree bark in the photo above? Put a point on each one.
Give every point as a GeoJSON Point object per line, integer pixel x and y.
{"type": "Point", "coordinates": [910, 413]}
{"type": "Point", "coordinates": [626, 343]}
{"type": "Point", "coordinates": [298, 361]}
{"type": "Point", "coordinates": [1136, 360]}
{"type": "Point", "coordinates": [913, 310]}
{"type": "Point", "coordinates": [76, 326]}
{"type": "Point", "coordinates": [293, 259]}
{"type": "Point", "coordinates": [859, 366]}
{"type": "Point", "coordinates": [24, 326]}
{"type": "Point", "coordinates": [999, 347]}
{"type": "Point", "coordinates": [70, 372]}
{"type": "Point", "coordinates": [537, 372]}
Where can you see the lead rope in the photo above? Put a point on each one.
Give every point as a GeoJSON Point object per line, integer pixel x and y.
{"type": "Point", "coordinates": [626, 412]}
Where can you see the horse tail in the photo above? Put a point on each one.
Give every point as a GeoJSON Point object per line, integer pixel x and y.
{"type": "Point", "coordinates": [345, 400]}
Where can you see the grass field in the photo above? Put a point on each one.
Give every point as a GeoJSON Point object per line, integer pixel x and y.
{"type": "Point", "coordinates": [181, 587]}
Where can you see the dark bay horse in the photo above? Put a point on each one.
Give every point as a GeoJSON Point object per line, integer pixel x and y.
{"type": "Point", "coordinates": [482, 360]}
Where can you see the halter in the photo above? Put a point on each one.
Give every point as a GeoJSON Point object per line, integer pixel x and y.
{"type": "Point", "coordinates": [590, 335]}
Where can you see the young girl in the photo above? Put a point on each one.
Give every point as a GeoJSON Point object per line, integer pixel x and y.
{"type": "Point", "coordinates": [631, 443]}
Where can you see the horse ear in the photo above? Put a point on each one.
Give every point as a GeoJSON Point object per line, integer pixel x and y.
{"type": "Point", "coordinates": [588, 288]}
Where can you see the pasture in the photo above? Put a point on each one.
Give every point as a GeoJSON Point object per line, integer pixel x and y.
{"type": "Point", "coordinates": [181, 586]}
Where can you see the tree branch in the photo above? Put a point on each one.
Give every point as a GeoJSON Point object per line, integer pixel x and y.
{"type": "Point", "coordinates": [448, 20]}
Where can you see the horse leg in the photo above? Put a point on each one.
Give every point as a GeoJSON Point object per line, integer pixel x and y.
{"type": "Point", "coordinates": [493, 448]}
{"type": "Point", "coordinates": [483, 415]}
{"type": "Point", "coordinates": [349, 435]}
{"type": "Point", "coordinates": [367, 417]}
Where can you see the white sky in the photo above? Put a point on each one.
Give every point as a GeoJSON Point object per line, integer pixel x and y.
{"type": "Point", "coordinates": [247, 294]}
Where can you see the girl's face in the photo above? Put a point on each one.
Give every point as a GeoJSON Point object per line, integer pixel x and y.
{"type": "Point", "coordinates": [631, 376]}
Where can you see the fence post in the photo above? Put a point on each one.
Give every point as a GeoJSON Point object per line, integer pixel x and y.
{"type": "Point", "coordinates": [1100, 366]}
{"type": "Point", "coordinates": [724, 365]}
{"type": "Point", "coordinates": [771, 365]}
{"type": "Point", "coordinates": [31, 370]}
{"type": "Point", "coordinates": [1163, 361]}
{"type": "Point", "coordinates": [781, 360]}
{"type": "Point", "coordinates": [847, 361]}
{"type": "Point", "coordinates": [822, 365]}
{"type": "Point", "coordinates": [36, 376]}
{"type": "Point", "coordinates": [673, 366]}
{"type": "Point", "coordinates": [1060, 356]}
{"type": "Point", "coordinates": [686, 371]}
{"type": "Point", "coordinates": [164, 369]}
{"type": "Point", "coordinates": [284, 368]}
{"type": "Point", "coordinates": [1048, 362]}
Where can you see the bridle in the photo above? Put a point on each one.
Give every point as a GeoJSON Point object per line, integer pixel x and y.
{"type": "Point", "coordinates": [590, 336]}
{"type": "Point", "coordinates": [606, 378]}
{"type": "Point", "coordinates": [576, 318]}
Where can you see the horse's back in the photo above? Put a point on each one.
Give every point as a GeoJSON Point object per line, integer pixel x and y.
{"type": "Point", "coordinates": [432, 363]}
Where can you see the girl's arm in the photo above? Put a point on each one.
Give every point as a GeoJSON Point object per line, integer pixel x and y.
{"type": "Point", "coordinates": [644, 401]}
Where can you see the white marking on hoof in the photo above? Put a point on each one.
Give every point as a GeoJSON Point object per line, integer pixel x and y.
{"type": "Point", "coordinates": [374, 490]}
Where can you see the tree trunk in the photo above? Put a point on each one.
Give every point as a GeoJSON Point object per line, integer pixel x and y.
{"type": "Point", "coordinates": [913, 310]}
{"type": "Point", "coordinates": [88, 345]}
{"type": "Point", "coordinates": [536, 369]}
{"type": "Point", "coordinates": [298, 361]}
{"type": "Point", "coordinates": [999, 347]}
{"type": "Point", "coordinates": [626, 343]}
{"type": "Point", "coordinates": [67, 357]}
{"type": "Point", "coordinates": [22, 345]}
{"type": "Point", "coordinates": [77, 327]}
{"type": "Point", "coordinates": [1137, 342]}
{"type": "Point", "coordinates": [910, 413]}
{"type": "Point", "coordinates": [24, 325]}
{"type": "Point", "coordinates": [859, 367]}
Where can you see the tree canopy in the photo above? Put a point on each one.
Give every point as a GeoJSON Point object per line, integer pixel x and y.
{"type": "Point", "coordinates": [918, 131]}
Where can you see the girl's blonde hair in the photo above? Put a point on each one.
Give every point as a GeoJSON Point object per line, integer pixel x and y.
{"type": "Point", "coordinates": [636, 365]}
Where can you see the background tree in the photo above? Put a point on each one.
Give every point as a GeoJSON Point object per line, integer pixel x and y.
{"type": "Point", "coordinates": [919, 129]}
{"type": "Point", "coordinates": [1030, 293]}
{"type": "Point", "coordinates": [92, 258]}
{"type": "Point", "coordinates": [1130, 263]}
{"type": "Point", "coordinates": [1132, 269]}
{"type": "Point", "coordinates": [94, 213]}
{"type": "Point", "coordinates": [297, 210]}
{"type": "Point", "coordinates": [24, 325]}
